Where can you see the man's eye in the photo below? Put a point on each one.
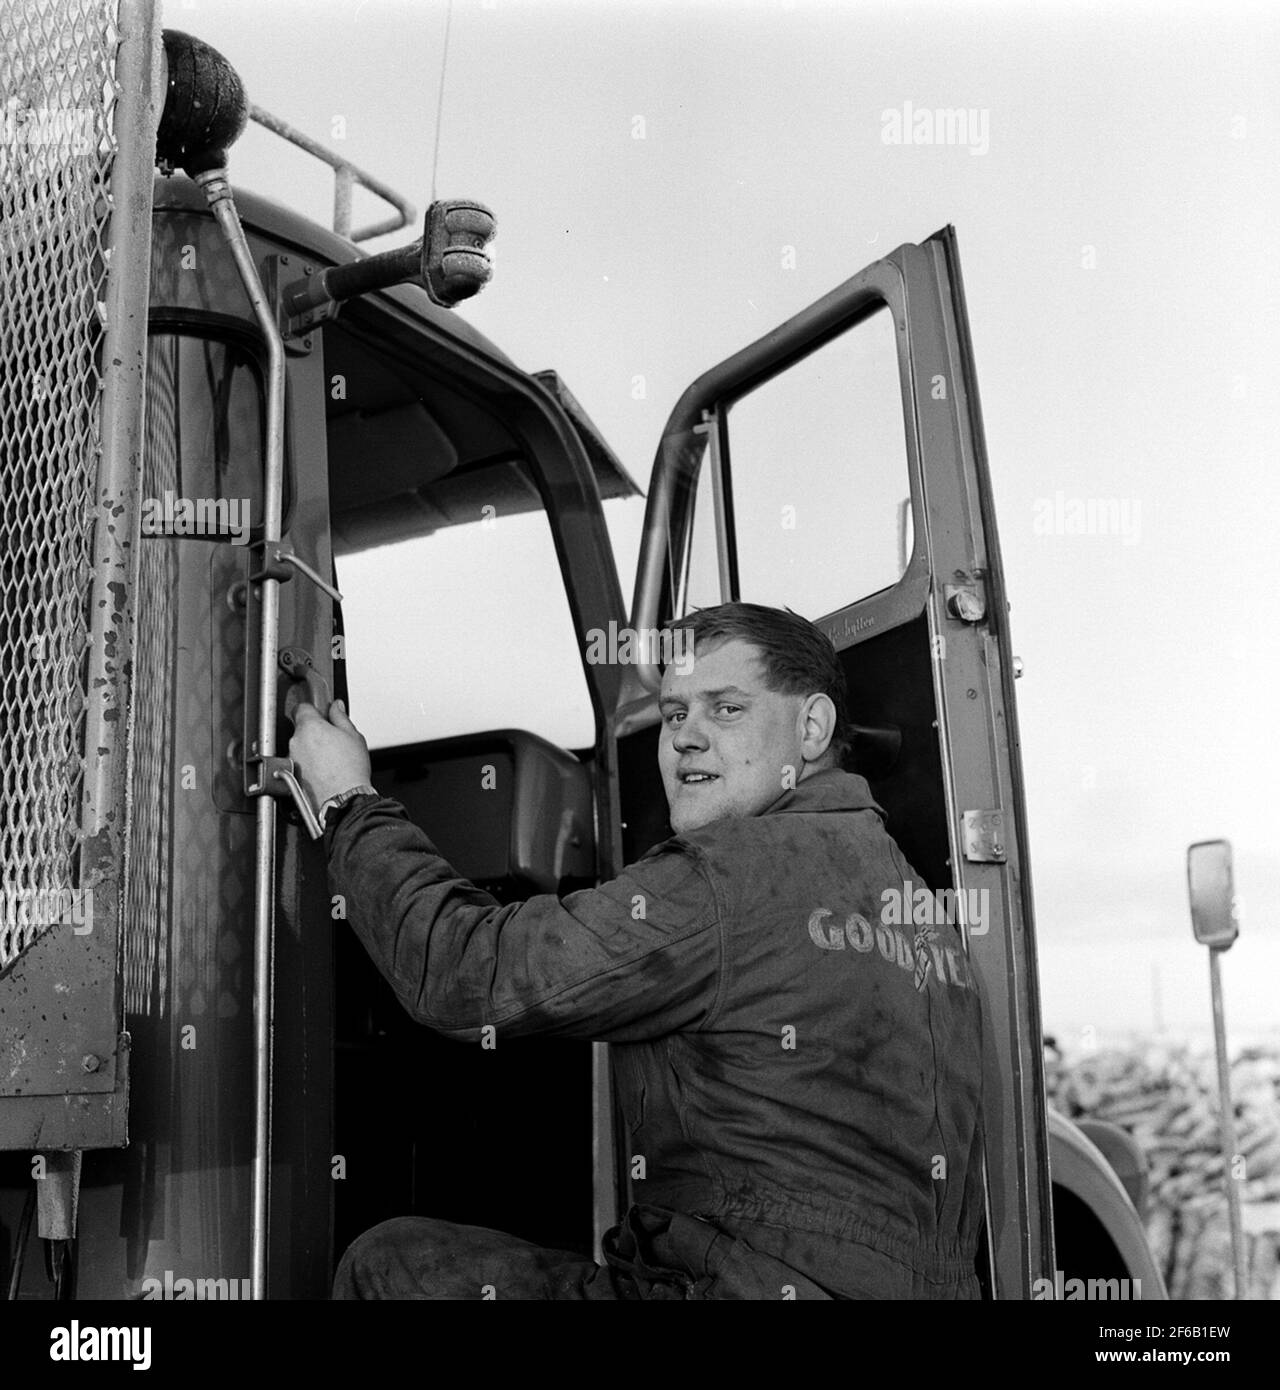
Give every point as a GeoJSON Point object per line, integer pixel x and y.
{"type": "Point", "coordinates": [731, 709]}
{"type": "Point", "coordinates": [674, 716]}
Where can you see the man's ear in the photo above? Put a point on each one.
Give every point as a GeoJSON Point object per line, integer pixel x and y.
{"type": "Point", "coordinates": [817, 726]}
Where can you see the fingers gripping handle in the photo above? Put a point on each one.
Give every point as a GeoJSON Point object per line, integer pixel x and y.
{"type": "Point", "coordinates": [279, 775]}
{"type": "Point", "coordinates": [307, 682]}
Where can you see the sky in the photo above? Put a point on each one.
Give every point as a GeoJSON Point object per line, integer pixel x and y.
{"type": "Point", "coordinates": [673, 180]}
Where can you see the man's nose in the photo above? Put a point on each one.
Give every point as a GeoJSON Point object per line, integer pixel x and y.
{"type": "Point", "coordinates": [690, 735]}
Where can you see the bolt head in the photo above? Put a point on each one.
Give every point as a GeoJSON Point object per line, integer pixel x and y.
{"type": "Point", "coordinates": [966, 606]}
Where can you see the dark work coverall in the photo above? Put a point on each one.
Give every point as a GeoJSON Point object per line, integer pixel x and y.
{"type": "Point", "coordinates": [800, 1076]}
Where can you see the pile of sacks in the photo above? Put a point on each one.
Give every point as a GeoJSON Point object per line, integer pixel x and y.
{"type": "Point", "coordinates": [1166, 1096]}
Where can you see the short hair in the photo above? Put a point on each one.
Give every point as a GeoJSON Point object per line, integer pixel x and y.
{"type": "Point", "coordinates": [798, 658]}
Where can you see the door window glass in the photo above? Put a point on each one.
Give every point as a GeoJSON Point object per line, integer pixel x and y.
{"type": "Point", "coordinates": [204, 464]}
{"type": "Point", "coordinates": [465, 630]}
{"type": "Point", "coordinates": [819, 477]}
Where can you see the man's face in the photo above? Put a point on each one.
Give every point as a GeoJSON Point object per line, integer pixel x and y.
{"type": "Point", "coordinates": [721, 721]}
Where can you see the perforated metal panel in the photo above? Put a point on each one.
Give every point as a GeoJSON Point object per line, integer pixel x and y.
{"type": "Point", "coordinates": [57, 100]}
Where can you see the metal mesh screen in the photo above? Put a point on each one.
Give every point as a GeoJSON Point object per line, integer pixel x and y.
{"type": "Point", "coordinates": [57, 100]}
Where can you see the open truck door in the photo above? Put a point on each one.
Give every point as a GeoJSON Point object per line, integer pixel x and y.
{"type": "Point", "coordinates": [837, 467]}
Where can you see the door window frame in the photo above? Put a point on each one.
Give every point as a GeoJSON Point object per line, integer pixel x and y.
{"type": "Point", "coordinates": [704, 408]}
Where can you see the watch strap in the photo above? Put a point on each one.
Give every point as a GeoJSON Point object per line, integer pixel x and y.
{"type": "Point", "coordinates": [335, 803]}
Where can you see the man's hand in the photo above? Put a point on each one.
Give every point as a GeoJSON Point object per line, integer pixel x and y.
{"type": "Point", "coordinates": [329, 755]}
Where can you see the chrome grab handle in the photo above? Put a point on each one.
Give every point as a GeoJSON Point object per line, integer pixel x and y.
{"type": "Point", "coordinates": [282, 770]}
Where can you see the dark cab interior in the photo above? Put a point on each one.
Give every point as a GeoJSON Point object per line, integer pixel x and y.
{"type": "Point", "coordinates": [504, 1138]}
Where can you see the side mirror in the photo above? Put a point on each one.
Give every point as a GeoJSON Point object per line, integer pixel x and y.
{"type": "Point", "coordinates": [1212, 888]}
{"type": "Point", "coordinates": [448, 260]}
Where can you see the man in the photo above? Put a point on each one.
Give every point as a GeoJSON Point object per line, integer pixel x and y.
{"type": "Point", "coordinates": [800, 1080]}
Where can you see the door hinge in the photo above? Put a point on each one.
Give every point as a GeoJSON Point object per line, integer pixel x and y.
{"type": "Point", "coordinates": [984, 837]}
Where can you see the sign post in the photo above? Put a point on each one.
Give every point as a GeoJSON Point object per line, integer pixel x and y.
{"type": "Point", "coordinates": [1215, 925]}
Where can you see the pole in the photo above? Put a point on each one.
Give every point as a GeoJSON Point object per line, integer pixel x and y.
{"type": "Point", "coordinates": [1228, 1126]}
{"type": "Point", "coordinates": [218, 194]}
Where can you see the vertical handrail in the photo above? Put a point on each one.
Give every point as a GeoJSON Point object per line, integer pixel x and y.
{"type": "Point", "coordinates": [218, 193]}
{"type": "Point", "coordinates": [343, 184]}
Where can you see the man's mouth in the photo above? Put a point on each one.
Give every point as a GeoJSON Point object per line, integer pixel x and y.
{"type": "Point", "coordinates": [697, 779]}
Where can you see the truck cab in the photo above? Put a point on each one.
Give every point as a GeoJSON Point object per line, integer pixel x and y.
{"type": "Point", "coordinates": [431, 546]}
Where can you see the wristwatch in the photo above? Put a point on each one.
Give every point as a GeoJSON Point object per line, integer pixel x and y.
{"type": "Point", "coordinates": [335, 803]}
